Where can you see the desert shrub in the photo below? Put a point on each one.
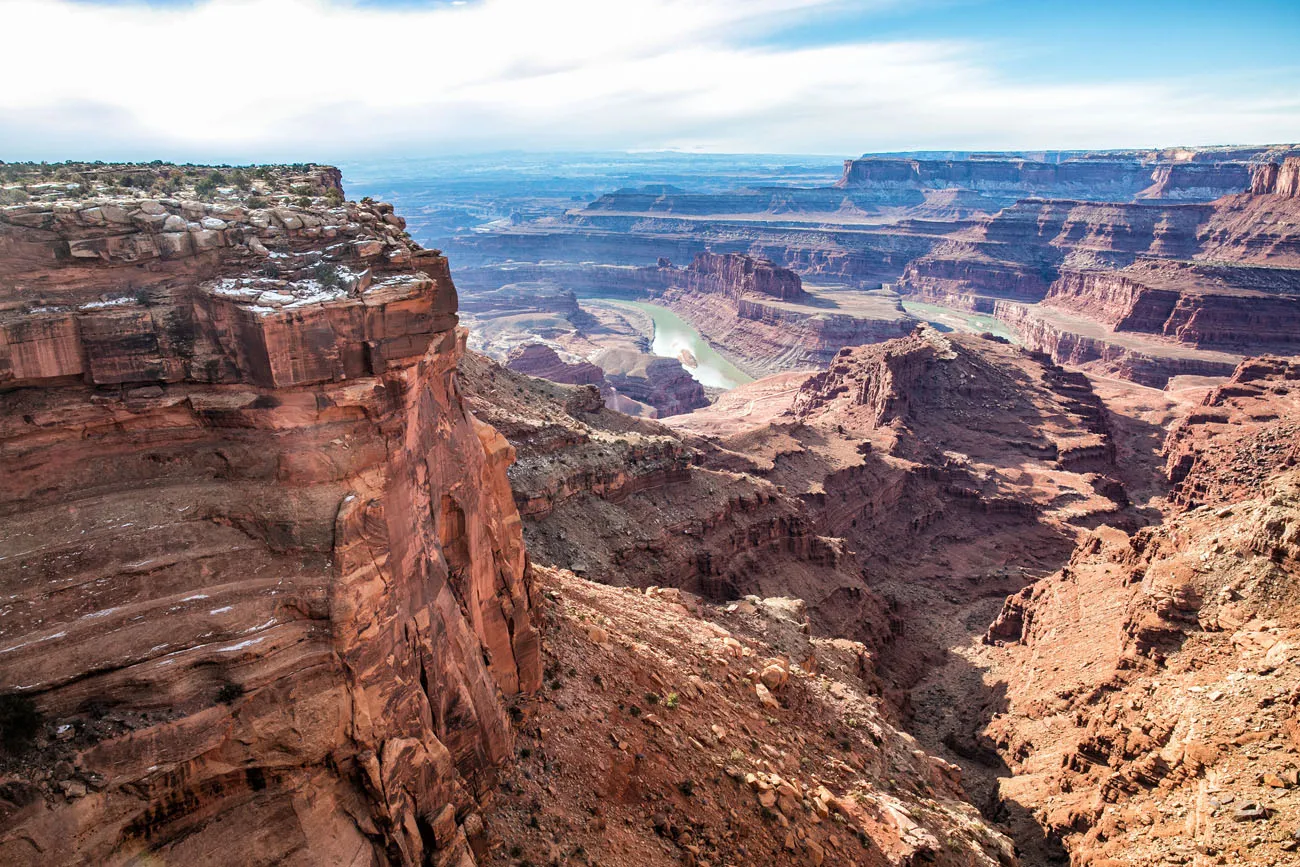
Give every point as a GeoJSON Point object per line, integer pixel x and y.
{"type": "Point", "coordinates": [327, 275]}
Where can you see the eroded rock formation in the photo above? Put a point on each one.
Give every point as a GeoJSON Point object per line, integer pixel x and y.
{"type": "Point", "coordinates": [1151, 682]}
{"type": "Point", "coordinates": [265, 578]}
{"type": "Point", "coordinates": [956, 468]}
{"type": "Point", "coordinates": [538, 359]}
{"type": "Point", "coordinates": [763, 318]}
{"type": "Point", "coordinates": [1144, 291]}
{"type": "Point", "coordinates": [624, 500]}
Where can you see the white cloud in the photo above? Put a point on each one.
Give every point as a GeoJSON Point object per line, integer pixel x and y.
{"type": "Point", "coordinates": [311, 79]}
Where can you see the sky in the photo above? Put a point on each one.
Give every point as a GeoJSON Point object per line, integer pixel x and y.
{"type": "Point", "coordinates": [328, 80]}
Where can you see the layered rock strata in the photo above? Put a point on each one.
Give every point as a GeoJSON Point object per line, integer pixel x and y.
{"type": "Point", "coordinates": [1104, 176]}
{"type": "Point", "coordinates": [761, 316]}
{"type": "Point", "coordinates": [626, 501]}
{"type": "Point", "coordinates": [1151, 708]}
{"type": "Point", "coordinates": [955, 467]}
{"type": "Point", "coordinates": [741, 277]}
{"type": "Point", "coordinates": [265, 578]}
{"type": "Point", "coordinates": [540, 360]}
{"type": "Point", "coordinates": [1145, 291]}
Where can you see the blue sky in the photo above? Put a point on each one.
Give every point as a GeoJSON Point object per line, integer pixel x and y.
{"type": "Point", "coordinates": [327, 79]}
{"type": "Point", "coordinates": [1086, 40]}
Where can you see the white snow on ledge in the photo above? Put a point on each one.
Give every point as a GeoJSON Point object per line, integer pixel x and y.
{"type": "Point", "coordinates": [111, 302]}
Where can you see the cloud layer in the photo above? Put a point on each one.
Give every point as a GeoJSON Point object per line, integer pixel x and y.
{"type": "Point", "coordinates": [312, 79]}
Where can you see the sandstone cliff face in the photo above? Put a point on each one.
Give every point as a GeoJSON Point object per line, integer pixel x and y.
{"type": "Point", "coordinates": [738, 277]}
{"type": "Point", "coordinates": [661, 383]}
{"type": "Point", "coordinates": [1113, 178]}
{"type": "Point", "coordinates": [538, 359]}
{"type": "Point", "coordinates": [1277, 179]}
{"type": "Point", "coordinates": [763, 338]}
{"type": "Point", "coordinates": [1218, 277]}
{"type": "Point", "coordinates": [266, 580]}
{"type": "Point", "coordinates": [1259, 227]}
{"type": "Point", "coordinates": [1197, 181]}
{"type": "Point", "coordinates": [1016, 177]}
{"type": "Point", "coordinates": [762, 317]}
{"type": "Point", "coordinates": [1080, 343]}
{"type": "Point", "coordinates": [1151, 702]}
{"type": "Point", "coordinates": [1188, 304]}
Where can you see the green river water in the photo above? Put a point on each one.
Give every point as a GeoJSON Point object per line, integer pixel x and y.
{"type": "Point", "coordinates": [673, 334]}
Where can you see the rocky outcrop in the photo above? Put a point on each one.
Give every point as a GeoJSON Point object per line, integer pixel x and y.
{"type": "Point", "coordinates": [538, 359]}
{"type": "Point", "coordinates": [1018, 253]}
{"type": "Point", "coordinates": [953, 466]}
{"type": "Point", "coordinates": [1277, 179]}
{"type": "Point", "coordinates": [1074, 279]}
{"type": "Point", "coordinates": [661, 383]}
{"type": "Point", "coordinates": [1197, 181]}
{"type": "Point", "coordinates": [774, 744]}
{"type": "Point", "coordinates": [1079, 342]}
{"type": "Point", "coordinates": [1188, 304]}
{"type": "Point", "coordinates": [1167, 651]}
{"type": "Point", "coordinates": [761, 316]}
{"type": "Point", "coordinates": [1108, 180]}
{"type": "Point", "coordinates": [741, 277]}
{"type": "Point", "coordinates": [1242, 433]}
{"type": "Point", "coordinates": [926, 387]}
{"type": "Point", "coordinates": [265, 577]}
{"type": "Point", "coordinates": [1259, 227]}
{"type": "Point", "coordinates": [763, 338]}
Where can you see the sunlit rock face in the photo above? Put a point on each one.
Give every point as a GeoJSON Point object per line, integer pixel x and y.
{"type": "Point", "coordinates": [263, 574]}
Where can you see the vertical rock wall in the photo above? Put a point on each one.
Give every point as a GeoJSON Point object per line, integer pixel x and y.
{"type": "Point", "coordinates": [265, 582]}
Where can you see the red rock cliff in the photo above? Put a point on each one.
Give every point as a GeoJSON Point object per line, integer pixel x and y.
{"type": "Point", "coordinates": [1279, 179]}
{"type": "Point", "coordinates": [738, 276]}
{"type": "Point", "coordinates": [264, 576]}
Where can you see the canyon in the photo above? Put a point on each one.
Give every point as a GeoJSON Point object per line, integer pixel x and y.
{"type": "Point", "coordinates": [1153, 266]}
{"type": "Point", "coordinates": [985, 554]}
